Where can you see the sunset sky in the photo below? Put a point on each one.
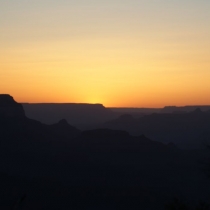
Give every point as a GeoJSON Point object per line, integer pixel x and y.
{"type": "Point", "coordinates": [134, 53]}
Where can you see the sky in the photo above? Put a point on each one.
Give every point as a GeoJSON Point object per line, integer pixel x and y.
{"type": "Point", "coordinates": [121, 53]}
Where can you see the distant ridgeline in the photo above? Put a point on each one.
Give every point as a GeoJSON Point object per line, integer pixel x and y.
{"type": "Point", "coordinates": [166, 109]}
{"type": "Point", "coordinates": [75, 114]}
{"type": "Point", "coordinates": [184, 109]}
{"type": "Point", "coordinates": [92, 114]}
{"type": "Point", "coordinates": [97, 168]}
{"type": "Point", "coordinates": [187, 127]}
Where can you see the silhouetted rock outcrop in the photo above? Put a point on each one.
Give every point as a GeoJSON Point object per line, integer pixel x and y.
{"type": "Point", "coordinates": [9, 107]}
{"type": "Point", "coordinates": [62, 128]}
{"type": "Point", "coordinates": [15, 125]}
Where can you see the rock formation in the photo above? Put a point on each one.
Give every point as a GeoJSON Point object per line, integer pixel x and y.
{"type": "Point", "coordinates": [9, 107]}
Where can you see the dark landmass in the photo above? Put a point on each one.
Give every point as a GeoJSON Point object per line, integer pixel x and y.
{"type": "Point", "coordinates": [136, 111]}
{"type": "Point", "coordinates": [87, 116]}
{"type": "Point", "coordinates": [75, 114]}
{"type": "Point", "coordinates": [166, 109]}
{"type": "Point", "coordinates": [58, 166]}
{"type": "Point", "coordinates": [186, 130]}
{"type": "Point", "coordinates": [9, 108]}
{"type": "Point", "coordinates": [184, 109]}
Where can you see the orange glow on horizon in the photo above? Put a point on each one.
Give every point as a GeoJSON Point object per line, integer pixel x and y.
{"type": "Point", "coordinates": [117, 54]}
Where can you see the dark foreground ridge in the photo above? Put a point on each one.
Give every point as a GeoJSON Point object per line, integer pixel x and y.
{"type": "Point", "coordinates": [10, 108]}
{"type": "Point", "coordinates": [58, 166]}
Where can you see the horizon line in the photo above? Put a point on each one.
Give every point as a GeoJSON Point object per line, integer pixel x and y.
{"type": "Point", "coordinates": [113, 107]}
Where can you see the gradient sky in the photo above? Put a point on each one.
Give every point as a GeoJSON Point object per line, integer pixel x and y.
{"type": "Point", "coordinates": [136, 53]}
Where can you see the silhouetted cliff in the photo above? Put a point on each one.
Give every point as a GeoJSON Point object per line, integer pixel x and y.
{"type": "Point", "coordinates": [9, 107]}
{"type": "Point", "coordinates": [16, 128]}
